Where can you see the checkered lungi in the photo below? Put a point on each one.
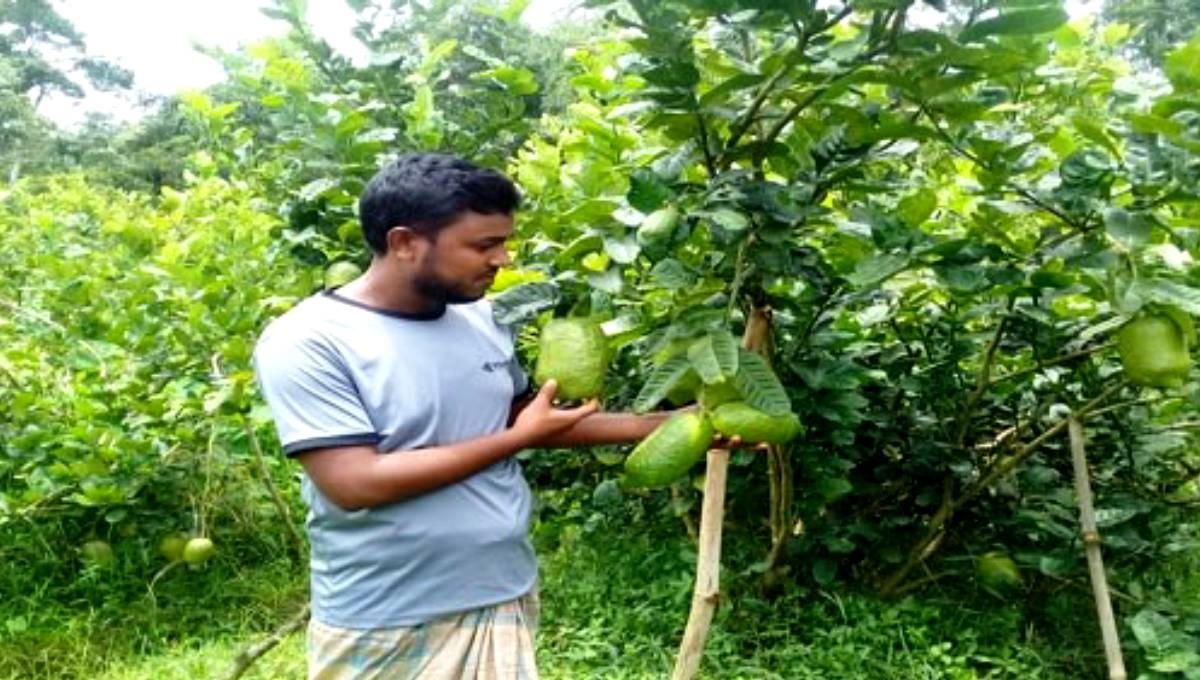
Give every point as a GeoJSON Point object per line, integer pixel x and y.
{"type": "Point", "coordinates": [494, 643]}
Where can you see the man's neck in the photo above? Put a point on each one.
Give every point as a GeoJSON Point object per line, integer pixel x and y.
{"type": "Point", "coordinates": [385, 290]}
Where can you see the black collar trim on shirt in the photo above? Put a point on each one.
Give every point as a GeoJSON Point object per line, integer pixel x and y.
{"type": "Point", "coordinates": [394, 313]}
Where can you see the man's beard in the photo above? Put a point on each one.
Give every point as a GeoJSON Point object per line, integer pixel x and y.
{"type": "Point", "coordinates": [433, 288]}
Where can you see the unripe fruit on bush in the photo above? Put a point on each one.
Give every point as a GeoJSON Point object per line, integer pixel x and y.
{"type": "Point", "coordinates": [1154, 351]}
{"type": "Point", "coordinates": [739, 419]}
{"type": "Point", "coordinates": [97, 552]}
{"type": "Point", "coordinates": [997, 571]}
{"type": "Point", "coordinates": [573, 352]}
{"type": "Point", "coordinates": [340, 273]}
{"type": "Point", "coordinates": [198, 550]}
{"type": "Point", "coordinates": [658, 228]}
{"type": "Point", "coordinates": [172, 545]}
{"type": "Point", "coordinates": [669, 451]}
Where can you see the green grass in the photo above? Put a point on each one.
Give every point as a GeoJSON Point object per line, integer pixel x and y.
{"type": "Point", "coordinates": [615, 599]}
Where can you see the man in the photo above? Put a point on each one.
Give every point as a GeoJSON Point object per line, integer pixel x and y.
{"type": "Point", "coordinates": [402, 399]}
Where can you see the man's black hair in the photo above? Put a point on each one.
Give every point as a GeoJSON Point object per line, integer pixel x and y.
{"type": "Point", "coordinates": [427, 191]}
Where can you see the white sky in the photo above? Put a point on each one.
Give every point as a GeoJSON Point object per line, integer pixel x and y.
{"type": "Point", "coordinates": [154, 39]}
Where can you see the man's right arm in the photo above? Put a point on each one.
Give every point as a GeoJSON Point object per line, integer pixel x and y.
{"type": "Point", "coordinates": [357, 477]}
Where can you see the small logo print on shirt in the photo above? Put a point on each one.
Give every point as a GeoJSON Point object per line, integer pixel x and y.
{"type": "Point", "coordinates": [492, 366]}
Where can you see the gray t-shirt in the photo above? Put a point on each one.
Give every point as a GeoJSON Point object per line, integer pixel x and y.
{"type": "Point", "coordinates": [335, 373]}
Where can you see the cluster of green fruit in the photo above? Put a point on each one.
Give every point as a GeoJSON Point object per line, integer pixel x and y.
{"type": "Point", "coordinates": [193, 550]}
{"type": "Point", "coordinates": [682, 440]}
{"type": "Point", "coordinates": [575, 353]}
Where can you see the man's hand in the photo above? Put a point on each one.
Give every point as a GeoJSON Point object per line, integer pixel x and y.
{"type": "Point", "coordinates": [539, 420]}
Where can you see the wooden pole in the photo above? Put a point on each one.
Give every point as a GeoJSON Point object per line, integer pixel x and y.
{"type": "Point", "coordinates": [707, 591]}
{"type": "Point", "coordinates": [1091, 542]}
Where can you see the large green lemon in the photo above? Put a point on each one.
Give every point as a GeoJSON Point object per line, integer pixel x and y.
{"type": "Point", "coordinates": [669, 451]}
{"type": "Point", "coordinates": [574, 352]}
{"type": "Point", "coordinates": [97, 552]}
{"type": "Point", "coordinates": [657, 229]}
{"type": "Point", "coordinates": [1154, 351]}
{"type": "Point", "coordinates": [739, 419]}
{"type": "Point", "coordinates": [198, 550]}
{"type": "Point", "coordinates": [997, 571]}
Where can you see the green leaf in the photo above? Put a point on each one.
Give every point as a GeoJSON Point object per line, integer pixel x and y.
{"type": "Point", "coordinates": [719, 93]}
{"type": "Point", "coordinates": [609, 281]}
{"type": "Point", "coordinates": [759, 384]}
{"type": "Point", "coordinates": [1127, 228]}
{"type": "Point", "coordinates": [832, 488]}
{"type": "Point", "coordinates": [878, 268]}
{"type": "Point", "coordinates": [1177, 662]}
{"type": "Point", "coordinates": [1168, 292]}
{"type": "Point", "coordinates": [1182, 65]}
{"type": "Point", "coordinates": [576, 249]}
{"type": "Point", "coordinates": [915, 208]}
{"type": "Point", "coordinates": [622, 250]}
{"type": "Point", "coordinates": [671, 274]}
{"type": "Point", "coordinates": [317, 188]}
{"type": "Point", "coordinates": [1095, 131]}
{"type": "Point", "coordinates": [520, 304]}
{"type": "Point", "coordinates": [647, 191]}
{"type": "Point", "coordinates": [517, 81]}
{"type": "Point", "coordinates": [1150, 124]}
{"type": "Point", "coordinates": [1153, 632]}
{"type": "Point", "coordinates": [729, 220]}
{"type": "Point", "coordinates": [660, 382]}
{"type": "Point", "coordinates": [1019, 22]}
{"type": "Point", "coordinates": [715, 357]}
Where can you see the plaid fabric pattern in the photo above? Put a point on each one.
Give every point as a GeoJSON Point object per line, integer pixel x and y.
{"type": "Point", "coordinates": [494, 643]}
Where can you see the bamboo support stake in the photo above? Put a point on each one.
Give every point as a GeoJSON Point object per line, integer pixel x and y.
{"type": "Point", "coordinates": [707, 590]}
{"type": "Point", "coordinates": [1091, 542]}
{"type": "Point", "coordinates": [708, 568]}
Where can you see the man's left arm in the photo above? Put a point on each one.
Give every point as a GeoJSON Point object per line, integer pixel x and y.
{"type": "Point", "coordinates": [600, 428]}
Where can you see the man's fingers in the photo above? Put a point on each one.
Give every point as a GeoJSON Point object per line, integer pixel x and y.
{"type": "Point", "coordinates": [586, 409]}
{"type": "Point", "coordinates": [548, 390]}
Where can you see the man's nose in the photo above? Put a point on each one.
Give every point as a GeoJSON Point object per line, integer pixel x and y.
{"type": "Point", "coordinates": [501, 259]}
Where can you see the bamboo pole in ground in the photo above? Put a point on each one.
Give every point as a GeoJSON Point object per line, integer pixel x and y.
{"type": "Point", "coordinates": [1091, 542]}
{"type": "Point", "coordinates": [707, 591]}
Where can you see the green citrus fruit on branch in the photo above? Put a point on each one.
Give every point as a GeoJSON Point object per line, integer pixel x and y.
{"type": "Point", "coordinates": [739, 419]}
{"type": "Point", "coordinates": [997, 571]}
{"type": "Point", "coordinates": [669, 451]}
{"type": "Point", "coordinates": [97, 552]}
{"type": "Point", "coordinates": [172, 545]}
{"type": "Point", "coordinates": [658, 228]}
{"type": "Point", "coordinates": [198, 550]}
{"type": "Point", "coordinates": [1154, 351]}
{"type": "Point", "coordinates": [573, 352]}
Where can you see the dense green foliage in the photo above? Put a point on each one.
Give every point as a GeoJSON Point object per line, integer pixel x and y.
{"type": "Point", "coordinates": [936, 223]}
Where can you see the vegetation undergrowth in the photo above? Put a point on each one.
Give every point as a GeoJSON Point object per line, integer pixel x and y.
{"type": "Point", "coordinates": [615, 596]}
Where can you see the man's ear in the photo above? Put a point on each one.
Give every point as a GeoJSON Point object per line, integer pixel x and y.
{"type": "Point", "coordinates": [404, 243]}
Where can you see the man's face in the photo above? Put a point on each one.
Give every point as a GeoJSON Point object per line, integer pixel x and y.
{"type": "Point", "coordinates": [460, 264]}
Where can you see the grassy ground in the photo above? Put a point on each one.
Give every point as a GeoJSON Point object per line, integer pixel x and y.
{"type": "Point", "coordinates": [614, 606]}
